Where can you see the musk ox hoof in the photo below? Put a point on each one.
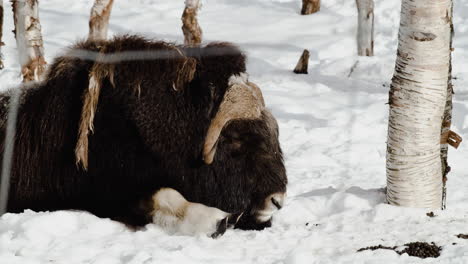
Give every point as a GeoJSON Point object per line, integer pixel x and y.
{"type": "Point", "coordinates": [220, 228]}
{"type": "Point", "coordinates": [225, 224]}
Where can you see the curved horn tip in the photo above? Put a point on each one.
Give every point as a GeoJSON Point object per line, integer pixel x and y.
{"type": "Point", "coordinates": [208, 153]}
{"type": "Point", "coordinates": [207, 161]}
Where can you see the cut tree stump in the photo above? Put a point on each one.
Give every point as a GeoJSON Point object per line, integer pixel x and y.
{"type": "Point", "coordinates": [303, 63]}
{"type": "Point", "coordinates": [310, 7]}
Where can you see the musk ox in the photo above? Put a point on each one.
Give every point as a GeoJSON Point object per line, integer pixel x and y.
{"type": "Point", "coordinates": [114, 122]}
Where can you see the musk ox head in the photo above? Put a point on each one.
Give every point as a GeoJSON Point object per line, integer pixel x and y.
{"type": "Point", "coordinates": [244, 134]}
{"type": "Point", "coordinates": [204, 122]}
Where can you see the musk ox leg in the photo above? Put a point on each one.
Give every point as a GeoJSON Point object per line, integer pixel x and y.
{"type": "Point", "coordinates": [175, 214]}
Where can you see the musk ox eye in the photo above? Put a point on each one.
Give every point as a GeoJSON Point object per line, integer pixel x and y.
{"type": "Point", "coordinates": [234, 135]}
{"type": "Point", "coordinates": [235, 144]}
{"type": "Point", "coordinates": [233, 139]}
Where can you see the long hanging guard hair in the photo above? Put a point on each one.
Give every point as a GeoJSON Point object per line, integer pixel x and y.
{"type": "Point", "coordinates": [90, 102]}
{"type": "Point", "coordinates": [101, 69]}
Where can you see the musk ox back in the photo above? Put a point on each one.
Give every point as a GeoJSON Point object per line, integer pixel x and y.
{"type": "Point", "coordinates": [115, 121]}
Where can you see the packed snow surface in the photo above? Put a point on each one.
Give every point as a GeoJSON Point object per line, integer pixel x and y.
{"type": "Point", "coordinates": [332, 130]}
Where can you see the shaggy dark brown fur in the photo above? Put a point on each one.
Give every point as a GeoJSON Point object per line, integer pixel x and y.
{"type": "Point", "coordinates": [147, 135]}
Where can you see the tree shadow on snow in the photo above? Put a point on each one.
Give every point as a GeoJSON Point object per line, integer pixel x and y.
{"type": "Point", "coordinates": [374, 196]}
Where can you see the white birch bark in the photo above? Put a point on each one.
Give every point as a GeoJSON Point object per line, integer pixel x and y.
{"type": "Point", "coordinates": [310, 7]}
{"type": "Point", "coordinates": [190, 27]}
{"type": "Point", "coordinates": [99, 19]}
{"type": "Point", "coordinates": [365, 35]}
{"type": "Point", "coordinates": [417, 101]}
{"type": "Point", "coordinates": [29, 39]}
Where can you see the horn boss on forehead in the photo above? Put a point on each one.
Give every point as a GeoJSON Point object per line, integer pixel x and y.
{"type": "Point", "coordinates": [242, 100]}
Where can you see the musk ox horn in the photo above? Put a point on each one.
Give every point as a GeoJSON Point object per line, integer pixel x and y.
{"type": "Point", "coordinates": [242, 100]}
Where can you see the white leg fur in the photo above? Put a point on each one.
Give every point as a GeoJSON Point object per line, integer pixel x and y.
{"type": "Point", "coordinates": [175, 214]}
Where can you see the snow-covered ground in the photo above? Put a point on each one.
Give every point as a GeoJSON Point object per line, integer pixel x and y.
{"type": "Point", "coordinates": [332, 130]}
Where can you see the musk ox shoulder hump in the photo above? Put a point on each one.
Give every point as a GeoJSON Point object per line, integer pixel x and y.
{"type": "Point", "coordinates": [223, 58]}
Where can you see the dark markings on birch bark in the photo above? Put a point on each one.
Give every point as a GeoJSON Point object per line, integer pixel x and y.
{"type": "Point", "coordinates": [13, 8]}
{"type": "Point", "coordinates": [447, 119]}
{"type": "Point", "coordinates": [423, 36]}
{"type": "Point", "coordinates": [1, 34]}
{"type": "Point", "coordinates": [29, 39]}
{"type": "Point", "coordinates": [34, 69]}
{"type": "Point", "coordinates": [310, 7]}
{"type": "Point", "coordinates": [303, 63]}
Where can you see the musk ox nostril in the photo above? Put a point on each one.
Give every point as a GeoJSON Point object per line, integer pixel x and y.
{"type": "Point", "coordinates": [276, 200]}
{"type": "Point", "coordinates": [276, 203]}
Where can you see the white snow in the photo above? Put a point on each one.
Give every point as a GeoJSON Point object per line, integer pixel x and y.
{"type": "Point", "coordinates": [332, 130]}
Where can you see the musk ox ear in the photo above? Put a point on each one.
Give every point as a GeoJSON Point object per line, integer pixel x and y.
{"type": "Point", "coordinates": [242, 100]}
{"type": "Point", "coordinates": [90, 101]}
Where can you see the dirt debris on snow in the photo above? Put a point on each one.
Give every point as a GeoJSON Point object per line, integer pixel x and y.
{"type": "Point", "coordinates": [414, 249]}
{"type": "Point", "coordinates": [431, 214]}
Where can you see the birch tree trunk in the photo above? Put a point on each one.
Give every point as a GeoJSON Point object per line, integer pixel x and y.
{"type": "Point", "coordinates": [190, 27]}
{"type": "Point", "coordinates": [29, 39]}
{"type": "Point", "coordinates": [417, 100]}
{"type": "Point", "coordinates": [99, 19]}
{"type": "Point", "coordinates": [365, 35]}
{"type": "Point", "coordinates": [310, 7]}
{"type": "Point", "coordinates": [1, 34]}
